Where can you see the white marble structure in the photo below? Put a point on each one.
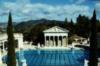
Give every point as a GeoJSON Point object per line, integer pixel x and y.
{"type": "Point", "coordinates": [86, 62]}
{"type": "Point", "coordinates": [56, 36]}
{"type": "Point", "coordinates": [18, 39]}
{"type": "Point", "coordinates": [0, 58]}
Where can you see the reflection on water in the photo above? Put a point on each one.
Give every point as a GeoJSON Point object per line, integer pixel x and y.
{"type": "Point", "coordinates": [21, 58]}
{"type": "Point", "coordinates": [72, 50]}
{"type": "Point", "coordinates": [39, 52]}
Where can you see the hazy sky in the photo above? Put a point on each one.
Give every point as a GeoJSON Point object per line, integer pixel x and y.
{"type": "Point", "coordinates": [50, 9]}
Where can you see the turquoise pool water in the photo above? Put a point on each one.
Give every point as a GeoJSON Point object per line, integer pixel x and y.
{"type": "Point", "coordinates": [54, 57]}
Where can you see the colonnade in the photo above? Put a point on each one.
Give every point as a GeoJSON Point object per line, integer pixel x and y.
{"type": "Point", "coordinates": [2, 45]}
{"type": "Point", "coordinates": [56, 41]}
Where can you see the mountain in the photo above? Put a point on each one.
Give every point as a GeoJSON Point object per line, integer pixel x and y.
{"type": "Point", "coordinates": [3, 26]}
{"type": "Point", "coordinates": [26, 26]}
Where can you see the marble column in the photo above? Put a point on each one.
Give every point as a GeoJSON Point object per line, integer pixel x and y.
{"type": "Point", "coordinates": [57, 40]}
{"type": "Point", "coordinates": [45, 41]}
{"type": "Point", "coordinates": [65, 41]}
{"type": "Point", "coordinates": [61, 40]}
{"type": "Point", "coordinates": [3, 46]}
{"type": "Point", "coordinates": [59, 43]}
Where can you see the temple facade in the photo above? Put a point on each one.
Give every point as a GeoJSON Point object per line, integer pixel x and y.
{"type": "Point", "coordinates": [56, 36]}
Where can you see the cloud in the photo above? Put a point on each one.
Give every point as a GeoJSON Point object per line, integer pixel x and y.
{"type": "Point", "coordinates": [80, 1]}
{"type": "Point", "coordinates": [97, 7]}
{"type": "Point", "coordinates": [23, 1]}
{"type": "Point", "coordinates": [27, 10]}
{"type": "Point", "coordinates": [58, 12]}
{"type": "Point", "coordinates": [77, 1]}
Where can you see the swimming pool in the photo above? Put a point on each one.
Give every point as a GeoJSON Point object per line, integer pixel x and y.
{"type": "Point", "coordinates": [54, 57]}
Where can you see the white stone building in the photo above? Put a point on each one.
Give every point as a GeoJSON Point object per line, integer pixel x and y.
{"type": "Point", "coordinates": [3, 40]}
{"type": "Point", "coordinates": [56, 36]}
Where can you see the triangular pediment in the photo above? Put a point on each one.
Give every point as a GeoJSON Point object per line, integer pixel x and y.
{"type": "Point", "coordinates": [56, 29]}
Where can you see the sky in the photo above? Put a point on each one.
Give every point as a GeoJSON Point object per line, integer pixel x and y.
{"type": "Point", "coordinates": [23, 10]}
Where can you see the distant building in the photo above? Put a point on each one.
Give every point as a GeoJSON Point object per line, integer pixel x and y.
{"type": "Point", "coordinates": [56, 36]}
{"type": "Point", "coordinates": [18, 40]}
{"type": "Point", "coordinates": [78, 39]}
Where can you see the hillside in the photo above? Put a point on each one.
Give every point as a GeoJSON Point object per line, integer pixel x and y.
{"type": "Point", "coordinates": [26, 26]}
{"type": "Point", "coordinates": [3, 26]}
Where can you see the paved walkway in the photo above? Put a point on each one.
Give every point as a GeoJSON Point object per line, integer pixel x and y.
{"type": "Point", "coordinates": [3, 65]}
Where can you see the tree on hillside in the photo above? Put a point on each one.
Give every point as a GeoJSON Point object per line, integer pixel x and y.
{"type": "Point", "coordinates": [72, 27]}
{"type": "Point", "coordinates": [98, 26]}
{"type": "Point", "coordinates": [65, 23]}
{"type": "Point", "coordinates": [11, 57]}
{"type": "Point", "coordinates": [35, 34]}
{"type": "Point", "coordinates": [83, 26]}
{"type": "Point", "coordinates": [0, 30]}
{"type": "Point", "coordinates": [93, 42]}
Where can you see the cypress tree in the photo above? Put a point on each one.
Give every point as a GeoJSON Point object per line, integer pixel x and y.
{"type": "Point", "coordinates": [65, 22]}
{"type": "Point", "coordinates": [72, 26]}
{"type": "Point", "coordinates": [93, 42]}
{"type": "Point", "coordinates": [11, 56]}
